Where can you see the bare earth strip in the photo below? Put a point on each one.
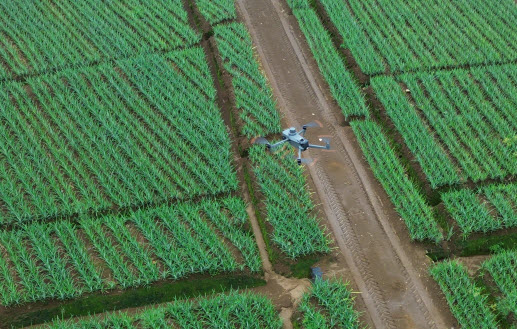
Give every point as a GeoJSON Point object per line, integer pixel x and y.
{"type": "Point", "coordinates": [390, 271]}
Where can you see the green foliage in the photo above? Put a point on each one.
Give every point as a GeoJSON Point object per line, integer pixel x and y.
{"type": "Point", "coordinates": [135, 297]}
{"type": "Point", "coordinates": [298, 4]}
{"type": "Point", "coordinates": [387, 168]}
{"type": "Point", "coordinates": [137, 248]}
{"type": "Point", "coordinates": [354, 37]}
{"type": "Point", "coordinates": [253, 96]}
{"type": "Point", "coordinates": [420, 140]}
{"type": "Point", "coordinates": [343, 87]}
{"type": "Point", "coordinates": [465, 299]}
{"type": "Point", "coordinates": [474, 215]}
{"type": "Point", "coordinates": [234, 310]}
{"type": "Point", "coordinates": [334, 299]}
{"type": "Point", "coordinates": [472, 115]}
{"type": "Point", "coordinates": [85, 140]}
{"type": "Point", "coordinates": [288, 203]}
{"type": "Point", "coordinates": [42, 36]}
{"type": "Point", "coordinates": [503, 269]}
{"type": "Point", "coordinates": [415, 35]}
{"type": "Point", "coordinates": [217, 11]}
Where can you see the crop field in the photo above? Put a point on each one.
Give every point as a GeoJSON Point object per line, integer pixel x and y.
{"type": "Point", "coordinates": [129, 178]}
{"type": "Point", "coordinates": [289, 207]}
{"type": "Point", "coordinates": [80, 158]}
{"type": "Point", "coordinates": [402, 36]}
{"type": "Point", "coordinates": [181, 240]}
{"type": "Point", "coordinates": [468, 304]}
{"type": "Point", "coordinates": [474, 215]}
{"type": "Point", "coordinates": [253, 96]}
{"type": "Point", "coordinates": [473, 298]}
{"type": "Point", "coordinates": [241, 310]}
{"type": "Point", "coordinates": [46, 35]}
{"type": "Point", "coordinates": [329, 304]}
{"type": "Point", "coordinates": [456, 123]}
{"type": "Point", "coordinates": [408, 201]}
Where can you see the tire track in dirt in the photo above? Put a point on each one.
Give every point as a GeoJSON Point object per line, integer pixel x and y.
{"type": "Point", "coordinates": [357, 260]}
{"type": "Point", "coordinates": [368, 241]}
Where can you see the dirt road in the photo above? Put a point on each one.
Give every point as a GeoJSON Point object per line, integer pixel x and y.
{"type": "Point", "coordinates": [390, 271]}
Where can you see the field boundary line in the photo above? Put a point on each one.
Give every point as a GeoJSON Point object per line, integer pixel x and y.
{"type": "Point", "coordinates": [22, 78]}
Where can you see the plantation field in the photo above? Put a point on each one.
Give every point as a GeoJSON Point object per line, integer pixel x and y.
{"type": "Point", "coordinates": [65, 260]}
{"type": "Point", "coordinates": [408, 201]}
{"type": "Point", "coordinates": [296, 230]}
{"type": "Point", "coordinates": [400, 36]}
{"type": "Point", "coordinates": [485, 299]}
{"type": "Point", "coordinates": [86, 140]}
{"type": "Point", "coordinates": [487, 209]}
{"type": "Point", "coordinates": [329, 304]}
{"type": "Point", "coordinates": [468, 304]}
{"type": "Point", "coordinates": [457, 122]}
{"type": "Point", "coordinates": [126, 162]}
{"type": "Point", "coordinates": [41, 36]}
{"type": "Point", "coordinates": [235, 310]}
{"type": "Point", "coordinates": [253, 97]}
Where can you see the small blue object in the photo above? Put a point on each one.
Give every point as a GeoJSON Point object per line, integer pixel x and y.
{"type": "Point", "coordinates": [317, 273]}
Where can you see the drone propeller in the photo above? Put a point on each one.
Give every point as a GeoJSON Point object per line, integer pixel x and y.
{"type": "Point", "coordinates": [313, 124]}
{"type": "Point", "coordinates": [261, 140]}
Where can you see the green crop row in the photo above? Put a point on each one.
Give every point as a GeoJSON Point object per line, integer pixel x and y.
{"type": "Point", "coordinates": [343, 87]}
{"type": "Point", "coordinates": [433, 159]}
{"type": "Point", "coordinates": [465, 299]}
{"type": "Point", "coordinates": [354, 36]}
{"type": "Point", "coordinates": [472, 112]}
{"type": "Point", "coordinates": [387, 168]}
{"type": "Point", "coordinates": [502, 267]}
{"type": "Point", "coordinates": [474, 215]}
{"type": "Point", "coordinates": [253, 96]}
{"type": "Point", "coordinates": [235, 310]}
{"type": "Point", "coordinates": [411, 35]}
{"type": "Point", "coordinates": [334, 298]}
{"type": "Point", "coordinates": [39, 36]}
{"type": "Point", "coordinates": [216, 12]}
{"type": "Point", "coordinates": [460, 122]}
{"type": "Point", "coordinates": [288, 203]}
{"type": "Point", "coordinates": [64, 260]}
{"type": "Point", "coordinates": [85, 140]}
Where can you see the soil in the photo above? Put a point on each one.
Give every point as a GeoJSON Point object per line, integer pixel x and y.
{"type": "Point", "coordinates": [389, 269]}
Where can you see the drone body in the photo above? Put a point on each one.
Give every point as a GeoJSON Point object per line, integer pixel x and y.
{"type": "Point", "coordinates": [297, 140]}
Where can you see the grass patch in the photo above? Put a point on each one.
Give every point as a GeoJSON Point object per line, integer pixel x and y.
{"type": "Point", "coordinates": [138, 297]}
{"type": "Point", "coordinates": [487, 245]}
{"type": "Point", "coordinates": [490, 292]}
{"type": "Point", "coordinates": [302, 268]}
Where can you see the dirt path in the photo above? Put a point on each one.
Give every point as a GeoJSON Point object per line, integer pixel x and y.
{"type": "Point", "coordinates": [391, 279]}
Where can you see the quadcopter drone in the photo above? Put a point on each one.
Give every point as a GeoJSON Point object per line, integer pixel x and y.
{"type": "Point", "coordinates": [296, 139]}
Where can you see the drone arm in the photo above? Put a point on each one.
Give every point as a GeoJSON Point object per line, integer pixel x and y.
{"type": "Point", "coordinates": [324, 147]}
{"type": "Point", "coordinates": [278, 144]}
{"type": "Point", "coordinates": [302, 132]}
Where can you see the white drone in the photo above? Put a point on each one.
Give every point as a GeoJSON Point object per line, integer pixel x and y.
{"type": "Point", "coordinates": [297, 140]}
